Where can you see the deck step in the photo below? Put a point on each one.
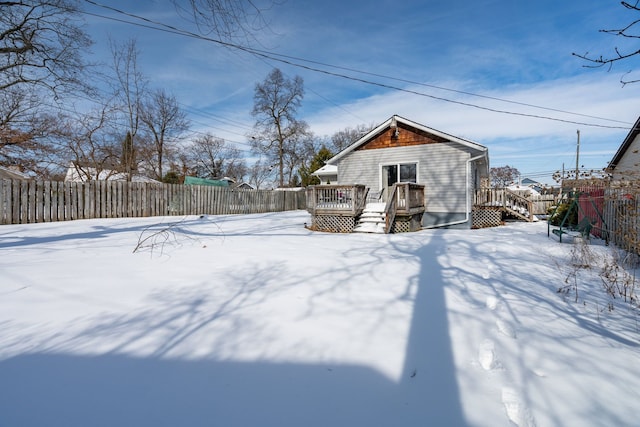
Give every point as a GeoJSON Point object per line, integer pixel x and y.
{"type": "Point", "coordinates": [369, 228]}
{"type": "Point", "coordinates": [372, 220]}
{"type": "Point", "coordinates": [375, 207]}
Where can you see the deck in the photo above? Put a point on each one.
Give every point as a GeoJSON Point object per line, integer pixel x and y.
{"type": "Point", "coordinates": [504, 200]}
{"type": "Point", "coordinates": [337, 208]}
{"type": "Point", "coordinates": [341, 200]}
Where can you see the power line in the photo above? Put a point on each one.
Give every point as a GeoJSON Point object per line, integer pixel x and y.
{"type": "Point", "coordinates": [289, 60]}
{"type": "Point", "coordinates": [124, 127]}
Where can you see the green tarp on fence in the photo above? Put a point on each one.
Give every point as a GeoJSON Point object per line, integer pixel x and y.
{"type": "Point", "coordinates": [192, 180]}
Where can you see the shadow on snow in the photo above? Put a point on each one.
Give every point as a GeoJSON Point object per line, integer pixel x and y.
{"type": "Point", "coordinates": [48, 387]}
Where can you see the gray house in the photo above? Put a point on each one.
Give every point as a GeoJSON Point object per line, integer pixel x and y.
{"type": "Point", "coordinates": [402, 151]}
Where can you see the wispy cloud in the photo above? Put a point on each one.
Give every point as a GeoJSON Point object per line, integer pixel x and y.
{"type": "Point", "coordinates": [517, 51]}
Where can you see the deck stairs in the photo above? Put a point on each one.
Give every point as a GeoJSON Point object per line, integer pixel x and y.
{"type": "Point", "coordinates": [518, 212]}
{"type": "Point", "coordinates": [372, 220]}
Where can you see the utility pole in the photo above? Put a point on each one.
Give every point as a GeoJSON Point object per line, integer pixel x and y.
{"type": "Point", "coordinates": [578, 155]}
{"type": "Point", "coordinates": [562, 178]}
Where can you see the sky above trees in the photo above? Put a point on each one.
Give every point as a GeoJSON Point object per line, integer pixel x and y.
{"type": "Point", "coordinates": [498, 72]}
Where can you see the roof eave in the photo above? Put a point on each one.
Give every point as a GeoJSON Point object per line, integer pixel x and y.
{"type": "Point", "coordinates": [631, 136]}
{"type": "Point", "coordinates": [474, 145]}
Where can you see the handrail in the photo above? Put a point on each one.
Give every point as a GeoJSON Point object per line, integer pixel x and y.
{"type": "Point", "coordinates": [505, 199]}
{"type": "Point", "coordinates": [514, 197]}
{"type": "Point", "coordinates": [391, 209]}
{"type": "Point", "coordinates": [362, 201]}
{"type": "Point", "coordinates": [404, 198]}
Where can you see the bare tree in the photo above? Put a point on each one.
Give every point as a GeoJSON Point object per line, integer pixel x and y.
{"type": "Point", "coordinates": [298, 153]}
{"type": "Point", "coordinates": [276, 130]}
{"type": "Point", "coordinates": [24, 132]}
{"type": "Point", "coordinates": [503, 176]}
{"type": "Point", "coordinates": [41, 44]}
{"type": "Point", "coordinates": [213, 158]}
{"type": "Point", "coordinates": [260, 173]}
{"type": "Point", "coordinates": [17, 114]}
{"type": "Point", "coordinates": [89, 144]}
{"type": "Point", "coordinates": [347, 136]}
{"type": "Point", "coordinates": [166, 122]}
{"type": "Point", "coordinates": [229, 19]}
{"type": "Point", "coordinates": [627, 32]}
{"type": "Point", "coordinates": [130, 85]}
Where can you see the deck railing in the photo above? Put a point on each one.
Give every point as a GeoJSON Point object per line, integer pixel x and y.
{"type": "Point", "coordinates": [416, 196]}
{"type": "Point", "coordinates": [504, 198]}
{"type": "Point", "coordinates": [336, 199]}
{"type": "Point", "coordinates": [410, 196]}
{"type": "Point", "coordinates": [405, 198]}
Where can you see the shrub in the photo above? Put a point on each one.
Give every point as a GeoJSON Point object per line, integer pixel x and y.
{"type": "Point", "coordinates": [557, 214]}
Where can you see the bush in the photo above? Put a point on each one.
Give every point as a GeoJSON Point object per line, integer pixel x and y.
{"type": "Point", "coordinates": [171, 177]}
{"type": "Point", "coordinates": [557, 214]}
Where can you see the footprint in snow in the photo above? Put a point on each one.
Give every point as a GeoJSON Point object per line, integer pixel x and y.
{"type": "Point", "coordinates": [517, 411]}
{"type": "Point", "coordinates": [492, 302]}
{"type": "Point", "coordinates": [539, 373]}
{"type": "Point", "coordinates": [506, 328]}
{"type": "Point", "coordinates": [487, 356]}
{"type": "Point", "coordinates": [487, 274]}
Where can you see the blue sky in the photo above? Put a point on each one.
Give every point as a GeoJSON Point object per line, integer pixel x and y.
{"type": "Point", "coordinates": [441, 53]}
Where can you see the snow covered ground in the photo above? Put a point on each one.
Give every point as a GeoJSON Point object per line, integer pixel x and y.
{"type": "Point", "coordinates": [256, 321]}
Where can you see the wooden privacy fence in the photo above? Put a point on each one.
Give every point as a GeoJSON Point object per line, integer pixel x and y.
{"type": "Point", "coordinates": [612, 209]}
{"type": "Point", "coordinates": [542, 203]}
{"type": "Point", "coordinates": [621, 218]}
{"type": "Point", "coordinates": [31, 201]}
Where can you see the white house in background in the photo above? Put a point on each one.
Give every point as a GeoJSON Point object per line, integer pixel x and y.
{"type": "Point", "coordinates": [328, 174]}
{"type": "Point", "coordinates": [6, 173]}
{"type": "Point", "coordinates": [400, 150]}
{"type": "Point", "coordinates": [76, 173]}
{"type": "Point", "coordinates": [524, 189]}
{"type": "Point", "coordinates": [530, 183]}
{"type": "Point", "coordinates": [626, 162]}
{"type": "Point", "coordinates": [242, 186]}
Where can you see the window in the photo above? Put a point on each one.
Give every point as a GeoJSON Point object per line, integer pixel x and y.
{"type": "Point", "coordinates": [408, 172]}
{"type": "Point", "coordinates": [403, 172]}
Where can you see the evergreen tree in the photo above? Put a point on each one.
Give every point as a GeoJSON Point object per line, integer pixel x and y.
{"type": "Point", "coordinates": [318, 160]}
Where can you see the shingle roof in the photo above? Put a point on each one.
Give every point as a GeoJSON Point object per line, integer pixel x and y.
{"type": "Point", "coordinates": [9, 174]}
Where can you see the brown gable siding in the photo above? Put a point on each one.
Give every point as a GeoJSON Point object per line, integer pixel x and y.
{"type": "Point", "coordinates": [406, 137]}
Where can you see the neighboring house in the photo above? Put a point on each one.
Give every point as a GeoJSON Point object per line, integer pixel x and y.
{"type": "Point", "coordinates": [399, 150]}
{"type": "Point", "coordinates": [523, 190]}
{"type": "Point", "coordinates": [530, 183]}
{"type": "Point", "coordinates": [327, 174]}
{"type": "Point", "coordinates": [218, 182]}
{"type": "Point", "coordinates": [242, 186]}
{"type": "Point", "coordinates": [11, 174]}
{"type": "Point", "coordinates": [76, 173]}
{"type": "Point", "coordinates": [625, 164]}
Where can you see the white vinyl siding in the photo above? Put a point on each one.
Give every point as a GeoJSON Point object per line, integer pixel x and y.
{"type": "Point", "coordinates": [442, 169]}
{"type": "Point", "coordinates": [628, 167]}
